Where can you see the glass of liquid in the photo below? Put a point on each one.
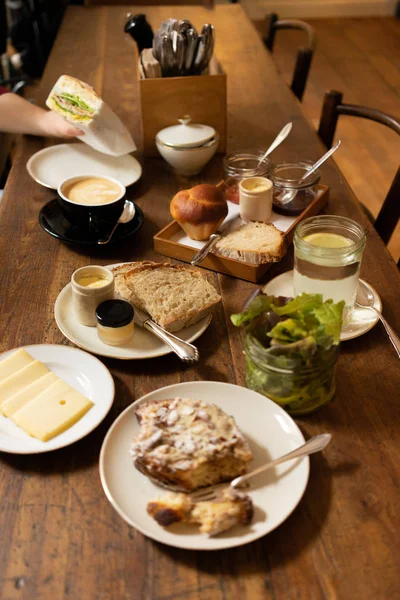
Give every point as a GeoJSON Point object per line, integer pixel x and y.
{"type": "Point", "coordinates": [327, 257]}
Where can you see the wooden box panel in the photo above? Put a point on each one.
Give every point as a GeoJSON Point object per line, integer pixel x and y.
{"type": "Point", "coordinates": [168, 247]}
{"type": "Point", "coordinates": [167, 99]}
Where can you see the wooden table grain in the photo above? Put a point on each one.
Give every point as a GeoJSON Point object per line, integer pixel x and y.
{"type": "Point", "coordinates": [59, 536]}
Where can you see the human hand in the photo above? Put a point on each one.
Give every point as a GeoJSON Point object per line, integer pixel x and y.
{"type": "Point", "coordinates": [55, 126]}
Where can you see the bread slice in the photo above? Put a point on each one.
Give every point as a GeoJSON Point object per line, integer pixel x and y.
{"type": "Point", "coordinates": [121, 289]}
{"type": "Point", "coordinates": [254, 243]}
{"type": "Point", "coordinates": [185, 444]}
{"type": "Point", "coordinates": [229, 509]}
{"type": "Point", "coordinates": [174, 296]}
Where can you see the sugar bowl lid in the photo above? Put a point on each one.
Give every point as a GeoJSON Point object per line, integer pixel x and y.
{"type": "Point", "coordinates": [185, 135]}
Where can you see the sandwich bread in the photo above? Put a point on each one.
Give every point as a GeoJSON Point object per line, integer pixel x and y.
{"type": "Point", "coordinates": [79, 104]}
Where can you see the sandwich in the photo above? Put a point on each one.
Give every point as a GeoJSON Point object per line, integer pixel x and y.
{"type": "Point", "coordinates": [79, 104]}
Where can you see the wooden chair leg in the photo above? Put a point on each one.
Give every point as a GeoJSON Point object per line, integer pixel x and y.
{"type": "Point", "coordinates": [329, 117]}
{"type": "Point", "coordinates": [389, 214]}
{"type": "Point", "coordinates": [300, 75]}
{"type": "Point", "coordinates": [270, 31]}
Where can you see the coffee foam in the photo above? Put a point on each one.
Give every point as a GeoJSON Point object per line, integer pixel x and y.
{"type": "Point", "coordinates": [91, 191]}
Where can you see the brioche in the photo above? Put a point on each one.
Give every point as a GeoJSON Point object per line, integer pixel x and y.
{"type": "Point", "coordinates": [200, 210]}
{"type": "Point", "coordinates": [254, 243]}
{"type": "Point", "coordinates": [229, 509]}
{"type": "Point", "coordinates": [185, 444]}
{"type": "Point", "coordinates": [174, 296]}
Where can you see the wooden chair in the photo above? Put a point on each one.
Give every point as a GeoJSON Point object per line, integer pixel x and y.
{"type": "Point", "coordinates": [133, 3]}
{"type": "Point", "coordinates": [304, 55]}
{"type": "Point", "coordinates": [389, 214]}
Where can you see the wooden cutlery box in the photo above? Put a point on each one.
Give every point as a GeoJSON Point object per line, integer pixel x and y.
{"type": "Point", "coordinates": [165, 100]}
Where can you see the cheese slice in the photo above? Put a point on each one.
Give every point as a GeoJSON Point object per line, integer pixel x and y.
{"type": "Point", "coordinates": [52, 412]}
{"type": "Point", "coordinates": [18, 400]}
{"type": "Point", "coordinates": [21, 379]}
{"type": "Point", "coordinates": [14, 363]}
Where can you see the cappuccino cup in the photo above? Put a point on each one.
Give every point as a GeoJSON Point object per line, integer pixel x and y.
{"type": "Point", "coordinates": [91, 202]}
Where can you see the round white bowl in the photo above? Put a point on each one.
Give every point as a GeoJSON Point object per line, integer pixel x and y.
{"type": "Point", "coordinates": [188, 161]}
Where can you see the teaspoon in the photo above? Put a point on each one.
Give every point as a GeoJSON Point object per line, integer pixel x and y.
{"type": "Point", "coordinates": [127, 215]}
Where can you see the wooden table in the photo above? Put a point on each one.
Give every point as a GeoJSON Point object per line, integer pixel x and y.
{"type": "Point", "coordinates": [60, 538]}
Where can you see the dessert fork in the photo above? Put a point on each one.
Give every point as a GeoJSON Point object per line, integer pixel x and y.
{"type": "Point", "coordinates": [314, 444]}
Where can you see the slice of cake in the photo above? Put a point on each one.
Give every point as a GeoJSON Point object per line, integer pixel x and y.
{"type": "Point", "coordinates": [185, 444]}
{"type": "Point", "coordinates": [230, 508]}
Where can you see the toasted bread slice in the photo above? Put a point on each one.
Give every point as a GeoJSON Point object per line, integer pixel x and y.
{"type": "Point", "coordinates": [254, 243]}
{"type": "Point", "coordinates": [174, 296]}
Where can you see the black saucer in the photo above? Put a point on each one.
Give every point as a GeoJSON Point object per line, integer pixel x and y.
{"type": "Point", "coordinates": [53, 222]}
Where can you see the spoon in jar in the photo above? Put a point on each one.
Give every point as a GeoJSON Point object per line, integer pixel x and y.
{"type": "Point", "coordinates": [127, 215]}
{"type": "Point", "coordinates": [282, 135]}
{"type": "Point", "coordinates": [288, 196]}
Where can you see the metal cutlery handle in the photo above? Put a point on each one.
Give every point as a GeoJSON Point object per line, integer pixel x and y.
{"type": "Point", "coordinates": [108, 238]}
{"type": "Point", "coordinates": [393, 337]}
{"type": "Point", "coordinates": [314, 444]}
{"type": "Point", "coordinates": [321, 160]}
{"type": "Point", "coordinates": [201, 254]}
{"type": "Point", "coordinates": [281, 137]}
{"type": "Point", "coordinates": [186, 351]}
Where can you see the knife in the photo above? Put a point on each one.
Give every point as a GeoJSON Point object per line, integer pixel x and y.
{"type": "Point", "coordinates": [186, 352]}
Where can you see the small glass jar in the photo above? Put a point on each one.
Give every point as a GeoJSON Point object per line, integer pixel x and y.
{"type": "Point", "coordinates": [298, 385]}
{"type": "Point", "coordinates": [115, 324]}
{"type": "Point", "coordinates": [241, 165]}
{"type": "Point", "coordinates": [291, 196]}
{"type": "Point", "coordinates": [330, 271]}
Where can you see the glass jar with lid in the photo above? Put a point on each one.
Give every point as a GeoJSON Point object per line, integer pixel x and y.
{"type": "Point", "coordinates": [299, 385]}
{"type": "Point", "coordinates": [290, 195]}
{"type": "Point", "coordinates": [241, 165]}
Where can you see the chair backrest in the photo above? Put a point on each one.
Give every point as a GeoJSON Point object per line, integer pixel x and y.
{"type": "Point", "coordinates": [304, 54]}
{"type": "Point", "coordinates": [333, 106]}
{"type": "Point", "coordinates": [133, 3]}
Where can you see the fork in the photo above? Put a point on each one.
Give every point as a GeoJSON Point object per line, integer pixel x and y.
{"type": "Point", "coordinates": [314, 444]}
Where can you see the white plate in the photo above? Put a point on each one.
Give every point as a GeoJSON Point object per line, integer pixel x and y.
{"type": "Point", "coordinates": [51, 165]}
{"type": "Point", "coordinates": [271, 433]}
{"type": "Point", "coordinates": [83, 372]}
{"type": "Point", "coordinates": [143, 344]}
{"type": "Point", "coordinates": [362, 319]}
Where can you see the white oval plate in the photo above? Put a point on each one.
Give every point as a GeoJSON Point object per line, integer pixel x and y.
{"type": "Point", "coordinates": [362, 319]}
{"type": "Point", "coordinates": [83, 372]}
{"type": "Point", "coordinates": [271, 433]}
{"type": "Point", "coordinates": [52, 165]}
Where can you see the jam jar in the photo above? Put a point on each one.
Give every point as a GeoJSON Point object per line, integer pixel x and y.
{"type": "Point", "coordinates": [290, 195]}
{"type": "Point", "coordinates": [241, 165]}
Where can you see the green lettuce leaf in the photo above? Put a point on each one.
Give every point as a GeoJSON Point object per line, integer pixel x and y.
{"type": "Point", "coordinates": [258, 305]}
{"type": "Point", "coordinates": [329, 316]}
{"type": "Point", "coordinates": [289, 330]}
{"type": "Point", "coordinates": [77, 101]}
{"type": "Point", "coordinates": [305, 303]}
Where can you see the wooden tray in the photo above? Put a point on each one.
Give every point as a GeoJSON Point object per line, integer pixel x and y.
{"type": "Point", "coordinates": [168, 247]}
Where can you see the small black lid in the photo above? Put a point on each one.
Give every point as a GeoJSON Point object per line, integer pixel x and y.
{"type": "Point", "coordinates": [114, 313]}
